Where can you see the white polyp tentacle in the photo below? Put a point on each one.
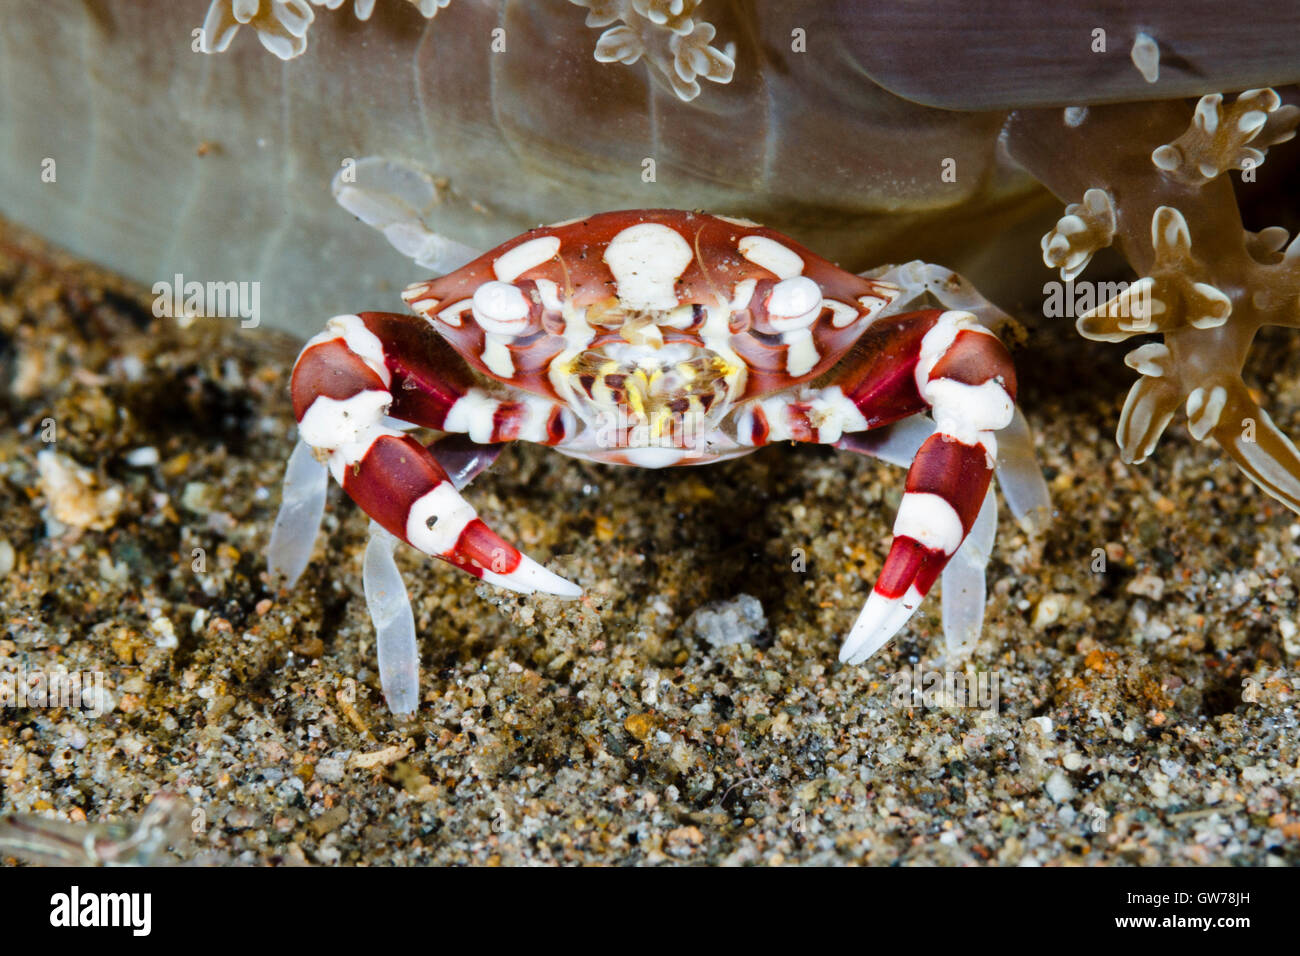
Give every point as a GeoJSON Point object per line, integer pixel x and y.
{"type": "Point", "coordinates": [302, 504]}
{"type": "Point", "coordinates": [390, 612]}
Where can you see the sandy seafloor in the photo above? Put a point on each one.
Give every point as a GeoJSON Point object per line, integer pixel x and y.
{"type": "Point", "coordinates": [1146, 713]}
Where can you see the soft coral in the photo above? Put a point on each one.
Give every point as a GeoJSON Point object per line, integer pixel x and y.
{"type": "Point", "coordinates": [1153, 179]}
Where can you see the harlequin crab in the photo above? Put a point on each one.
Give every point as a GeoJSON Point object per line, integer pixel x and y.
{"type": "Point", "coordinates": [652, 338]}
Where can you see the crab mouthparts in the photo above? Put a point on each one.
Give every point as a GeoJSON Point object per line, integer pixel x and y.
{"type": "Point", "coordinates": [652, 394]}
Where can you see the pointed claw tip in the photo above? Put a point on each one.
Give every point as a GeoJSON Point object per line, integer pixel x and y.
{"type": "Point", "coordinates": [571, 592]}
{"type": "Point", "coordinates": [531, 578]}
{"type": "Point", "coordinates": [880, 619]}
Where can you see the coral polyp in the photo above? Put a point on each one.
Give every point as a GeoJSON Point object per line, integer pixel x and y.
{"type": "Point", "coordinates": [1154, 178]}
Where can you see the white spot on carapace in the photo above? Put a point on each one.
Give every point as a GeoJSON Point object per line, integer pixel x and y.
{"type": "Point", "coordinates": [513, 263]}
{"type": "Point", "coordinates": [873, 303]}
{"type": "Point", "coordinates": [777, 259]}
{"type": "Point", "coordinates": [549, 293]}
{"type": "Point", "coordinates": [497, 357]}
{"type": "Point", "coordinates": [801, 351]}
{"type": "Point", "coordinates": [500, 307]}
{"type": "Point", "coordinates": [416, 290]}
{"type": "Point", "coordinates": [742, 294]}
{"type": "Point", "coordinates": [647, 260]}
{"type": "Point", "coordinates": [794, 303]}
{"type": "Point", "coordinates": [451, 314]}
{"type": "Point", "coordinates": [1075, 115]}
{"type": "Point", "coordinates": [736, 221]}
{"type": "Point", "coordinates": [1146, 57]}
{"type": "Point", "coordinates": [843, 314]}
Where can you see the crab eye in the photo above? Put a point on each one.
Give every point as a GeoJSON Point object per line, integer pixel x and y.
{"type": "Point", "coordinates": [794, 303]}
{"type": "Point", "coordinates": [500, 307]}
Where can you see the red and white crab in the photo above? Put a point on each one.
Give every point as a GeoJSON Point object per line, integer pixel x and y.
{"type": "Point", "coordinates": [650, 338]}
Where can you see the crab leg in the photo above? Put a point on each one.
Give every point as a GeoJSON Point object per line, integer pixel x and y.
{"type": "Point", "coordinates": [302, 505]}
{"type": "Point", "coordinates": [963, 586]}
{"type": "Point", "coordinates": [964, 375]}
{"type": "Point", "coordinates": [364, 367]}
{"type": "Point", "coordinates": [943, 362]}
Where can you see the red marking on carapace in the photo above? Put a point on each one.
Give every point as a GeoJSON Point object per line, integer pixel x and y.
{"type": "Point", "coordinates": [709, 280]}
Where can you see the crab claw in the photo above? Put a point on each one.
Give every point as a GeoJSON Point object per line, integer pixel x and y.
{"type": "Point", "coordinates": [965, 375]}
{"type": "Point", "coordinates": [945, 490]}
{"type": "Point", "coordinates": [400, 484]}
